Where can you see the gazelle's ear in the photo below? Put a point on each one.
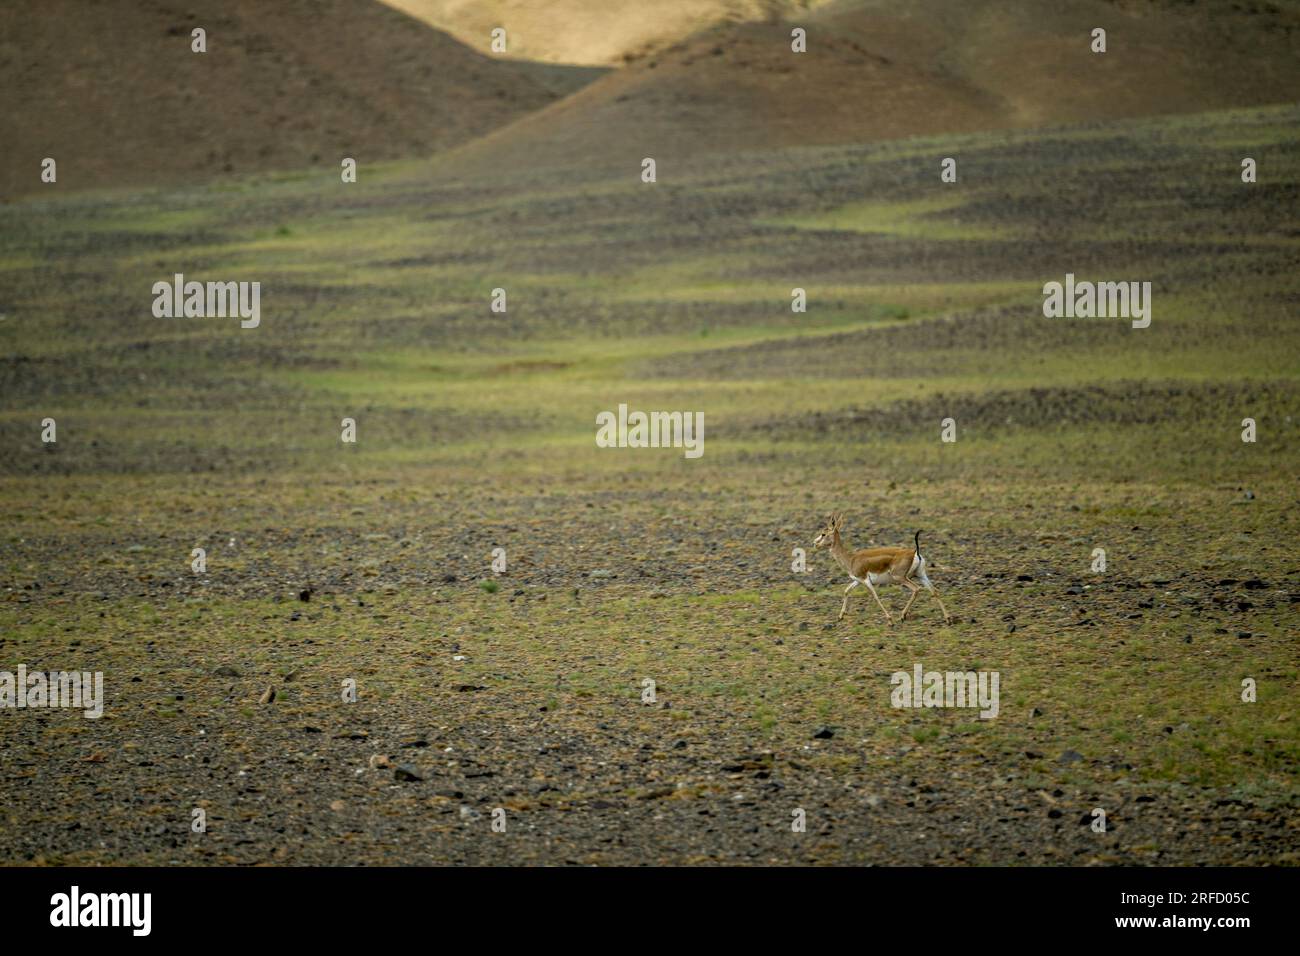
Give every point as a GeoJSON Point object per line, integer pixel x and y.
{"type": "Point", "coordinates": [837, 521]}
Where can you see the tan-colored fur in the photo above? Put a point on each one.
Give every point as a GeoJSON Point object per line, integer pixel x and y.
{"type": "Point", "coordinates": [902, 566]}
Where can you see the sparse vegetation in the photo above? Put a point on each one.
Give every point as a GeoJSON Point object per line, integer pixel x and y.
{"type": "Point", "coordinates": [475, 431]}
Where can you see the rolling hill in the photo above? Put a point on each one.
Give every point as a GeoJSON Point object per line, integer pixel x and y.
{"type": "Point", "coordinates": [886, 69]}
{"type": "Point", "coordinates": [580, 31]}
{"type": "Point", "coordinates": [113, 92]}
{"type": "Point", "coordinates": [300, 84]}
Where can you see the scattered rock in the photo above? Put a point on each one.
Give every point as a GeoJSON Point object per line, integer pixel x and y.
{"type": "Point", "coordinates": [750, 763]}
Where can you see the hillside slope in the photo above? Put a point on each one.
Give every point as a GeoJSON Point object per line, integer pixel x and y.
{"type": "Point", "coordinates": [886, 69]}
{"type": "Point", "coordinates": [113, 92]}
{"type": "Point", "coordinates": [582, 31]}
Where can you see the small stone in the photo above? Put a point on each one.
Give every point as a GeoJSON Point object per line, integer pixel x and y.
{"type": "Point", "coordinates": [406, 772]}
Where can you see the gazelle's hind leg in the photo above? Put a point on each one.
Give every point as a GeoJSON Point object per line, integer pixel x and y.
{"type": "Point", "coordinates": [925, 583]}
{"type": "Point", "coordinates": [916, 589]}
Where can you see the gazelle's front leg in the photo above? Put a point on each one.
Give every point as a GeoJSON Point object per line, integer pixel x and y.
{"type": "Point", "coordinates": [845, 606]}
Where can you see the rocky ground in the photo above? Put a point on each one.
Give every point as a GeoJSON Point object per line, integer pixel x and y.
{"type": "Point", "coordinates": [331, 565]}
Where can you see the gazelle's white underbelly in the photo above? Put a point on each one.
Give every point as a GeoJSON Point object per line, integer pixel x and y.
{"type": "Point", "coordinates": [884, 577]}
{"type": "Point", "coordinates": [881, 577]}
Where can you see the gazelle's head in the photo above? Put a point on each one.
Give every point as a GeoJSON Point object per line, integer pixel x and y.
{"type": "Point", "coordinates": [827, 535]}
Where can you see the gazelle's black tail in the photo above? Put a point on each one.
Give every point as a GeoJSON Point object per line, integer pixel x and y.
{"type": "Point", "coordinates": [916, 542]}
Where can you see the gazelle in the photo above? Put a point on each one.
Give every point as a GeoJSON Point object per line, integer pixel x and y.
{"type": "Point", "coordinates": [872, 566]}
